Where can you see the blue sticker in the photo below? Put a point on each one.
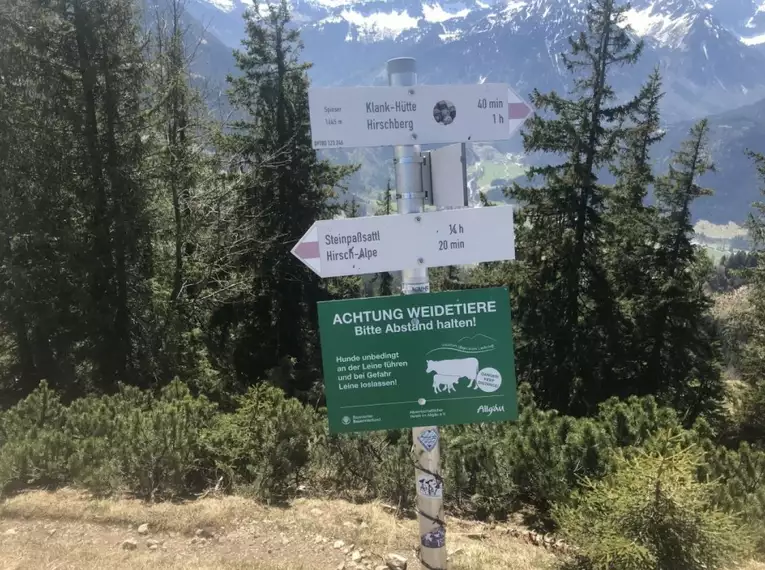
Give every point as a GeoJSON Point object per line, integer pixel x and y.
{"type": "Point", "coordinates": [429, 439]}
{"type": "Point", "coordinates": [435, 538]}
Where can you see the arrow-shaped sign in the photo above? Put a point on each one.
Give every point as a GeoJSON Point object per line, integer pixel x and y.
{"type": "Point", "coordinates": [355, 246]}
{"type": "Point", "coordinates": [395, 115]}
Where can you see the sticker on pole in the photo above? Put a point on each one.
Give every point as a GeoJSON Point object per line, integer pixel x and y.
{"type": "Point", "coordinates": [420, 360]}
{"type": "Point", "coordinates": [428, 439]}
{"type": "Point", "coordinates": [430, 486]}
{"type": "Point", "coordinates": [435, 538]}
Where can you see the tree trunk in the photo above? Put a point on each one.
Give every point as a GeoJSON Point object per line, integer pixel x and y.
{"type": "Point", "coordinates": [122, 196]}
{"type": "Point", "coordinates": [100, 286]}
{"type": "Point", "coordinates": [586, 178]}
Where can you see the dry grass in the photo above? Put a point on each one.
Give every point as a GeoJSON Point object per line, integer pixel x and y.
{"type": "Point", "coordinates": [35, 556]}
{"type": "Point", "coordinates": [67, 530]}
{"type": "Point", "coordinates": [753, 565]}
{"type": "Point", "coordinates": [733, 304]}
{"type": "Point", "coordinates": [72, 506]}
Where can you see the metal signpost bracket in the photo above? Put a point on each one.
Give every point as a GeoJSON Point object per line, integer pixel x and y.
{"type": "Point", "coordinates": [427, 177]}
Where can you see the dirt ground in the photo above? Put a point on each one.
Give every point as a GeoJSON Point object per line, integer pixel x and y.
{"type": "Point", "coordinates": [66, 530]}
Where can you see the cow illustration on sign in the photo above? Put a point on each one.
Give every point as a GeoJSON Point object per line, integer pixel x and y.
{"type": "Point", "coordinates": [449, 372]}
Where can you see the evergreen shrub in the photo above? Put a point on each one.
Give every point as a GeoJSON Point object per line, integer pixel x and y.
{"type": "Point", "coordinates": [172, 443]}
{"type": "Point", "coordinates": [265, 446]}
{"type": "Point", "coordinates": [739, 478]}
{"type": "Point", "coordinates": [366, 466]}
{"type": "Point", "coordinates": [131, 441]}
{"type": "Point", "coordinates": [34, 448]}
{"type": "Point", "coordinates": [652, 512]}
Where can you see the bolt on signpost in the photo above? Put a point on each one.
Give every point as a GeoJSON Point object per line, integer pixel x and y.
{"type": "Point", "coordinates": [410, 199]}
{"type": "Point", "coordinates": [420, 360]}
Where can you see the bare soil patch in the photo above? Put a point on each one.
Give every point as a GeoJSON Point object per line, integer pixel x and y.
{"type": "Point", "coordinates": [68, 530]}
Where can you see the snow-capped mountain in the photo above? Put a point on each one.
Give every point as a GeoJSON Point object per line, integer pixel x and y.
{"type": "Point", "coordinates": [708, 51]}
{"type": "Point", "coordinates": [746, 18]}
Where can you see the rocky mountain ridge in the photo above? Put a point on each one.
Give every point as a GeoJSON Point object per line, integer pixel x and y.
{"type": "Point", "coordinates": [709, 52]}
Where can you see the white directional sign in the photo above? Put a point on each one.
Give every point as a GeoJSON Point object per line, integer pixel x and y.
{"type": "Point", "coordinates": [423, 114]}
{"type": "Point", "coordinates": [354, 246]}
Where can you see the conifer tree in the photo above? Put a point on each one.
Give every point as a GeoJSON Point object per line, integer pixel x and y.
{"type": "Point", "coordinates": [83, 188]}
{"type": "Point", "coordinates": [176, 97]}
{"type": "Point", "coordinates": [681, 361]}
{"type": "Point", "coordinates": [632, 232]}
{"type": "Point", "coordinates": [565, 302]}
{"type": "Point", "coordinates": [634, 170]}
{"type": "Point", "coordinates": [484, 200]}
{"type": "Point", "coordinates": [385, 208]}
{"type": "Point", "coordinates": [352, 207]}
{"type": "Point", "coordinates": [285, 187]}
{"type": "Point", "coordinates": [40, 274]}
{"type": "Point", "coordinates": [753, 360]}
{"type": "Point", "coordinates": [754, 365]}
{"type": "Point", "coordinates": [652, 512]}
{"type": "Point", "coordinates": [195, 239]}
{"type": "Point", "coordinates": [111, 73]}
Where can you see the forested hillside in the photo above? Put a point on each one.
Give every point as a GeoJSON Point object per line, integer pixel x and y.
{"type": "Point", "coordinates": [157, 337]}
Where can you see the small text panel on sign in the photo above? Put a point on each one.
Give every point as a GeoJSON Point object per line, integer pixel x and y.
{"type": "Point", "coordinates": [425, 114]}
{"type": "Point", "coordinates": [429, 359]}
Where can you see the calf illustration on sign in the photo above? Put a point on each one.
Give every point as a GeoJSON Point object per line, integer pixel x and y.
{"type": "Point", "coordinates": [449, 372]}
{"type": "Point", "coordinates": [447, 382]}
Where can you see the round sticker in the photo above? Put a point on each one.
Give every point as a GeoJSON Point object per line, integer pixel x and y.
{"type": "Point", "coordinates": [444, 112]}
{"type": "Point", "coordinates": [489, 379]}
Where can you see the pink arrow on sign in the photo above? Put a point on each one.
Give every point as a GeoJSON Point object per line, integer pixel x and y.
{"type": "Point", "coordinates": [307, 249]}
{"type": "Point", "coordinates": [518, 110]}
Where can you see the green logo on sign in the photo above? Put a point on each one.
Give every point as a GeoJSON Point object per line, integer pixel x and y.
{"type": "Point", "coordinates": [416, 360]}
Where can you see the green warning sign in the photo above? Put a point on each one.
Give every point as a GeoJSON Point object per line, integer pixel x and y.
{"type": "Point", "coordinates": [418, 360]}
